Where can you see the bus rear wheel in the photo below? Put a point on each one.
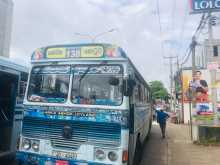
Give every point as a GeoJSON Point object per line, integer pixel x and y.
{"type": "Point", "coordinates": [138, 152]}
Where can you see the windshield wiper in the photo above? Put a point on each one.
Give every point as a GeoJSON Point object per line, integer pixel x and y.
{"type": "Point", "coordinates": [87, 70]}
{"type": "Point", "coordinates": [82, 77]}
{"type": "Point", "coordinates": [85, 73]}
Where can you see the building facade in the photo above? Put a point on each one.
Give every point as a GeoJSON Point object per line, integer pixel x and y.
{"type": "Point", "coordinates": [6, 12]}
{"type": "Point", "coordinates": [212, 51]}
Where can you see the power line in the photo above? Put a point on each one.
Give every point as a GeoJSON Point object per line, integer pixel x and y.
{"type": "Point", "coordinates": [184, 20]}
{"type": "Point", "coordinates": [160, 26]}
{"type": "Point", "coordinates": [182, 31]}
{"type": "Point", "coordinates": [201, 23]}
{"type": "Point", "coordinates": [196, 34]}
{"type": "Point", "coordinates": [203, 26]}
{"type": "Point", "coordinates": [173, 15]}
{"type": "Point", "coordinates": [158, 14]}
{"type": "Point", "coordinates": [188, 53]}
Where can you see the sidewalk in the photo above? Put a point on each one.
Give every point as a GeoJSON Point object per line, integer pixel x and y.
{"type": "Point", "coordinates": [177, 149]}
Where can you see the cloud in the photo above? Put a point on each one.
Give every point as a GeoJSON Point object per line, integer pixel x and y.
{"type": "Point", "coordinates": [133, 9]}
{"type": "Point", "coordinates": [46, 22]}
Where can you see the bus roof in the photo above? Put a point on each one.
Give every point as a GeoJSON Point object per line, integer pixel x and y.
{"type": "Point", "coordinates": [94, 51]}
{"type": "Point", "coordinates": [8, 63]}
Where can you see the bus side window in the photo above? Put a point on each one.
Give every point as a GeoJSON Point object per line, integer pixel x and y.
{"type": "Point", "coordinates": [139, 96]}
{"type": "Point", "coordinates": [142, 94]}
{"type": "Point", "coordinates": [136, 94]}
{"type": "Point", "coordinates": [147, 97]}
{"type": "Point", "coordinates": [22, 88]}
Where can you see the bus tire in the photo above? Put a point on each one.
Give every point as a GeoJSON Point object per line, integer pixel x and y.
{"type": "Point", "coordinates": [149, 130]}
{"type": "Point", "coordinates": [138, 152]}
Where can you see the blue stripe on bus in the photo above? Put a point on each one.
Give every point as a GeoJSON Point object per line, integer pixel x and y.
{"type": "Point", "coordinates": [29, 158]}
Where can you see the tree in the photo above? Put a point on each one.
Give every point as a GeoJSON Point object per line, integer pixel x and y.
{"type": "Point", "coordinates": [158, 90]}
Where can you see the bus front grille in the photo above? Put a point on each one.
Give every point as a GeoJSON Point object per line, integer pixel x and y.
{"type": "Point", "coordinates": [100, 134]}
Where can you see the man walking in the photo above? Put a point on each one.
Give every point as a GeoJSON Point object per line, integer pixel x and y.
{"type": "Point", "coordinates": [161, 119]}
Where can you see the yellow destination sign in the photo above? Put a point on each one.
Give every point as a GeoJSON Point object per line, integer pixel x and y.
{"type": "Point", "coordinates": [56, 53]}
{"type": "Point", "coordinates": [92, 51]}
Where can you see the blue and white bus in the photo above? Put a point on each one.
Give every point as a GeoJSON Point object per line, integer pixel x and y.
{"type": "Point", "coordinates": [13, 78]}
{"type": "Point", "coordinates": [85, 104]}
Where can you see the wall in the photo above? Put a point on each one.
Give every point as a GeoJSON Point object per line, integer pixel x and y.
{"type": "Point", "coordinates": [6, 10]}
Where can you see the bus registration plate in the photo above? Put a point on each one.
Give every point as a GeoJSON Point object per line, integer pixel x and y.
{"type": "Point", "coordinates": [67, 155]}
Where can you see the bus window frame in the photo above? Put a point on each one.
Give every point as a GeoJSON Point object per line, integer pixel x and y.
{"type": "Point", "coordinates": [29, 82]}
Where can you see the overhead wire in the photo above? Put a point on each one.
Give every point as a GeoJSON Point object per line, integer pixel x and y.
{"type": "Point", "coordinates": [171, 29]}
{"type": "Point", "coordinates": [196, 34]}
{"type": "Point", "coordinates": [188, 53]}
{"type": "Point", "coordinates": [182, 31]}
{"type": "Point", "coordinates": [173, 15]}
{"type": "Point", "coordinates": [160, 26]}
{"type": "Point", "coordinates": [198, 29]}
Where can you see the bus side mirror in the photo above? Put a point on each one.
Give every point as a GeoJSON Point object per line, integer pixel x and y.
{"type": "Point", "coordinates": [129, 85]}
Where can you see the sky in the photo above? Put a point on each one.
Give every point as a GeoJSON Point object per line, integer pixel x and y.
{"type": "Point", "coordinates": [138, 30]}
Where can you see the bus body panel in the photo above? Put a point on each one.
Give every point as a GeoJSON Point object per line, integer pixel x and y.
{"type": "Point", "coordinates": [46, 119]}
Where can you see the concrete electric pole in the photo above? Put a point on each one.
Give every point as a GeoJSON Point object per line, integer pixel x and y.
{"type": "Point", "coordinates": [193, 48]}
{"type": "Point", "coordinates": [171, 80]}
{"type": "Point", "coordinates": [192, 102]}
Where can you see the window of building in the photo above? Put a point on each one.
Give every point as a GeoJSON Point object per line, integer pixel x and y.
{"type": "Point", "coordinates": [215, 51]}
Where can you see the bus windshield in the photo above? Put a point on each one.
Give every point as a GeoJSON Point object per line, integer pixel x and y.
{"type": "Point", "coordinates": [49, 84]}
{"type": "Point", "coordinates": [97, 85]}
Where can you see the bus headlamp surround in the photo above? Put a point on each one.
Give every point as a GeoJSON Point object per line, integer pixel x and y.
{"type": "Point", "coordinates": [100, 154]}
{"type": "Point", "coordinates": [113, 156]}
{"type": "Point", "coordinates": [26, 144]}
{"type": "Point", "coordinates": [35, 146]}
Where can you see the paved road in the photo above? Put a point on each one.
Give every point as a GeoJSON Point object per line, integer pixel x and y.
{"type": "Point", "coordinates": [155, 150]}
{"type": "Point", "coordinates": [177, 149]}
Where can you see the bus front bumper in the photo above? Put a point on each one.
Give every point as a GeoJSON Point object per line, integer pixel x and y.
{"type": "Point", "coordinates": [34, 159]}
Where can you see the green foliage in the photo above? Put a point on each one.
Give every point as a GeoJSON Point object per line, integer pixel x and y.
{"type": "Point", "coordinates": [158, 90]}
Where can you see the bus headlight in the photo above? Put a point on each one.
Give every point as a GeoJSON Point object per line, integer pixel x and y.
{"type": "Point", "coordinates": [113, 156]}
{"type": "Point", "coordinates": [35, 146]}
{"type": "Point", "coordinates": [100, 154]}
{"type": "Point", "coordinates": [26, 144]}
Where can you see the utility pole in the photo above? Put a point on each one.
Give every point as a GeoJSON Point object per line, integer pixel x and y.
{"type": "Point", "coordinates": [171, 83]}
{"type": "Point", "coordinates": [193, 48]}
{"type": "Point", "coordinates": [213, 71]}
{"type": "Point", "coordinates": [192, 100]}
{"type": "Point", "coordinates": [175, 85]}
{"type": "Point", "coordinates": [171, 79]}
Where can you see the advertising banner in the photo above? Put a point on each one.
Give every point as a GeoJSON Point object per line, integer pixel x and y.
{"type": "Point", "coordinates": [201, 6]}
{"type": "Point", "coordinates": [200, 85]}
{"type": "Point", "coordinates": [199, 89]}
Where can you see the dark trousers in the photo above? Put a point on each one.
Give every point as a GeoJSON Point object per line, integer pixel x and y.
{"type": "Point", "coordinates": [163, 129]}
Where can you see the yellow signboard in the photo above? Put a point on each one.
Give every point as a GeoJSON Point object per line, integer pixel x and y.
{"type": "Point", "coordinates": [56, 53]}
{"type": "Point", "coordinates": [92, 51]}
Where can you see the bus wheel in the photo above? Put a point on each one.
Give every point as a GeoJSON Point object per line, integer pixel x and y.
{"type": "Point", "coordinates": [138, 152]}
{"type": "Point", "coordinates": [148, 134]}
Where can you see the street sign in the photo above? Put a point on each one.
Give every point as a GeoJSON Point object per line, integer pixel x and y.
{"type": "Point", "coordinates": [212, 66]}
{"type": "Point", "coordinates": [201, 6]}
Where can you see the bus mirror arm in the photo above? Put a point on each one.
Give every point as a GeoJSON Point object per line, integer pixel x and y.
{"type": "Point", "coordinates": [128, 85]}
